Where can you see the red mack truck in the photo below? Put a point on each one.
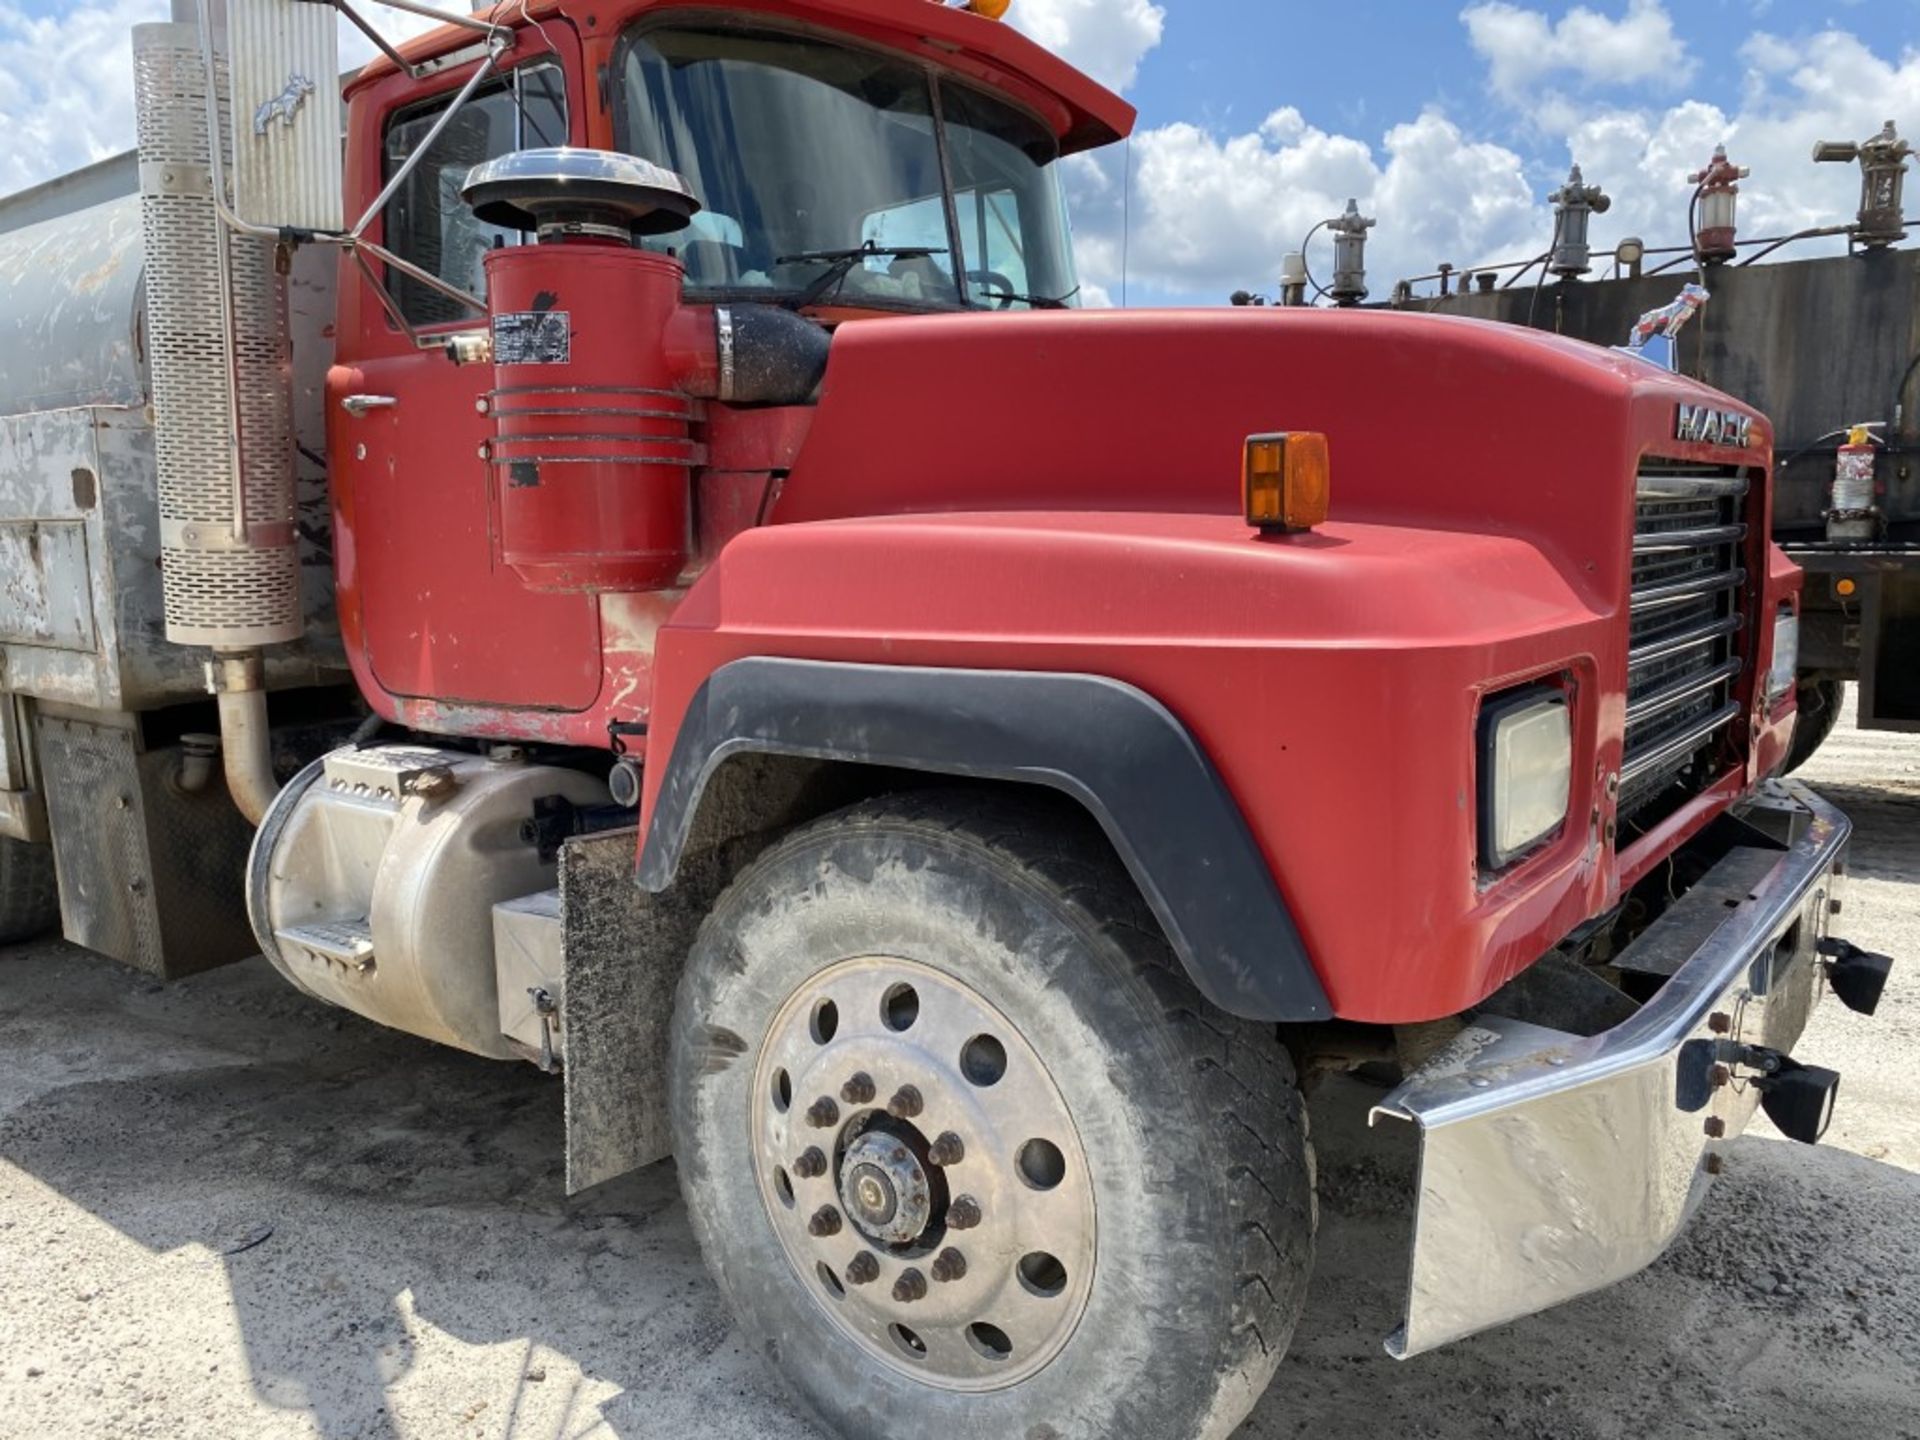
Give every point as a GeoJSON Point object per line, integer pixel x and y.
{"type": "Point", "coordinates": [638, 563]}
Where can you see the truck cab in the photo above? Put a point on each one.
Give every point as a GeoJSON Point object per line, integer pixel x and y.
{"type": "Point", "coordinates": [945, 762]}
{"type": "Point", "coordinates": [800, 143]}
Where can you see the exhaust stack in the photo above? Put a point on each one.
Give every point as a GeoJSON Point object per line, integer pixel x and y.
{"type": "Point", "coordinates": [222, 396]}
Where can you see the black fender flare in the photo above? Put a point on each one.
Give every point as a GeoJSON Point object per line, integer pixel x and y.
{"type": "Point", "coordinates": [1113, 748]}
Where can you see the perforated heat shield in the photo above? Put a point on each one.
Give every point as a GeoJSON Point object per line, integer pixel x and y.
{"type": "Point", "coordinates": [222, 387]}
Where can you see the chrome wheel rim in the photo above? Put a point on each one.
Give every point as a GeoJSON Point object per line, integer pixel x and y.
{"type": "Point", "coordinates": [923, 1174]}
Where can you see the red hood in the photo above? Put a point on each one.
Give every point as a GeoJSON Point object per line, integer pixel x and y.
{"type": "Point", "coordinates": [1431, 420]}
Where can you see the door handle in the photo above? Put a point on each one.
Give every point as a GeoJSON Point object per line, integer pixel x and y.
{"type": "Point", "coordinates": [361, 404]}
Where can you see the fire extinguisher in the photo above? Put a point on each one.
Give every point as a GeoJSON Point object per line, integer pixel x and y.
{"type": "Point", "coordinates": [1851, 515]}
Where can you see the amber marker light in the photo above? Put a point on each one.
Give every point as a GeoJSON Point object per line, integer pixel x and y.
{"type": "Point", "coordinates": [1286, 482]}
{"type": "Point", "coordinates": [992, 9]}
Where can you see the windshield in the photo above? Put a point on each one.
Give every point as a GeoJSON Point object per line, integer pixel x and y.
{"type": "Point", "coordinates": [803, 150]}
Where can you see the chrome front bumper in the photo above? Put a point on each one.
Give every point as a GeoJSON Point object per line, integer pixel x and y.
{"type": "Point", "coordinates": [1553, 1164]}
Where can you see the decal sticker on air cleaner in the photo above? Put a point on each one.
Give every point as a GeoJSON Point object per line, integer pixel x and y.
{"type": "Point", "coordinates": [533, 337]}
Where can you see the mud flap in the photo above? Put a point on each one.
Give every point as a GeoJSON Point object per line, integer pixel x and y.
{"type": "Point", "coordinates": [623, 951]}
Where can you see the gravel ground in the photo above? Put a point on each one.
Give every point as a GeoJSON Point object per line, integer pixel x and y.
{"type": "Point", "coordinates": [225, 1211]}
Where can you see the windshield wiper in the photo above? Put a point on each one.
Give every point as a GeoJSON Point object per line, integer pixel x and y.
{"type": "Point", "coordinates": [840, 262]}
{"type": "Point", "coordinates": [1038, 302]}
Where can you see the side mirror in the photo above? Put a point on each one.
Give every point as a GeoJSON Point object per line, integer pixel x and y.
{"type": "Point", "coordinates": [284, 82]}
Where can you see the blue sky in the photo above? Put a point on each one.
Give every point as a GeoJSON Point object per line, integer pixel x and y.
{"type": "Point", "coordinates": [1364, 63]}
{"type": "Point", "coordinates": [1450, 122]}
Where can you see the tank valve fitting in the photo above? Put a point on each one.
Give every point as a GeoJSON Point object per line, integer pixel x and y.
{"type": "Point", "coordinates": [1574, 206]}
{"type": "Point", "coordinates": [1883, 174]}
{"type": "Point", "coordinates": [1349, 255]}
{"type": "Point", "coordinates": [1718, 196]}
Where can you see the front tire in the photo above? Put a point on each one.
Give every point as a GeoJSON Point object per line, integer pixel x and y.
{"type": "Point", "coordinates": [1050, 1194]}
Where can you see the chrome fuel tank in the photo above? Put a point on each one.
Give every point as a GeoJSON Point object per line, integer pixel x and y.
{"type": "Point", "coordinates": [375, 877]}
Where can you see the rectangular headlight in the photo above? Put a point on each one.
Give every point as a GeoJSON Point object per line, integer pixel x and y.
{"type": "Point", "coordinates": [1526, 772]}
{"type": "Point", "coordinates": [1786, 655]}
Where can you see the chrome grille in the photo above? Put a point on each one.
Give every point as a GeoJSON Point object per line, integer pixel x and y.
{"type": "Point", "coordinates": [1688, 631]}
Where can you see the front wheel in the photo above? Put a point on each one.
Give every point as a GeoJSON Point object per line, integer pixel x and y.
{"type": "Point", "coordinates": [965, 1152]}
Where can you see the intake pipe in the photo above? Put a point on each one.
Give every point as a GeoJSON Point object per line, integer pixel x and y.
{"type": "Point", "coordinates": [742, 354]}
{"type": "Point", "coordinates": [246, 746]}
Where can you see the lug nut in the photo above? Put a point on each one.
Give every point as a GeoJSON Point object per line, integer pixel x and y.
{"type": "Point", "coordinates": [948, 1265]}
{"type": "Point", "coordinates": [906, 1103]}
{"type": "Point", "coordinates": [963, 1213]}
{"type": "Point", "coordinates": [1716, 1128]}
{"type": "Point", "coordinates": [825, 1222]}
{"type": "Point", "coordinates": [947, 1150]}
{"type": "Point", "coordinates": [1720, 1022]}
{"type": "Point", "coordinates": [911, 1286]}
{"type": "Point", "coordinates": [1720, 1075]}
{"type": "Point", "coordinates": [1715, 1164]}
{"type": "Point", "coordinates": [858, 1090]}
{"type": "Point", "coordinates": [864, 1270]}
{"type": "Point", "coordinates": [823, 1113]}
{"type": "Point", "coordinates": [810, 1164]}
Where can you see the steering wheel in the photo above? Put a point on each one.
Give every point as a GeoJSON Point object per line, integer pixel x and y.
{"type": "Point", "coordinates": [998, 283]}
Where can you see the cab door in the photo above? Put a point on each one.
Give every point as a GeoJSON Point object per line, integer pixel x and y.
{"type": "Point", "coordinates": [439, 617]}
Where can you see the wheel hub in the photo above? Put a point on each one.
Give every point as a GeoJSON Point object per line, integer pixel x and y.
{"type": "Point", "coordinates": [923, 1174]}
{"type": "Point", "coordinates": [884, 1189]}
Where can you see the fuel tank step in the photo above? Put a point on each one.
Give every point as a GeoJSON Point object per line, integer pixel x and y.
{"type": "Point", "coordinates": [338, 942]}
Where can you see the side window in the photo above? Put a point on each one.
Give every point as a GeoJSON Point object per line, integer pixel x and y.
{"type": "Point", "coordinates": [1012, 226]}
{"type": "Point", "coordinates": [427, 221]}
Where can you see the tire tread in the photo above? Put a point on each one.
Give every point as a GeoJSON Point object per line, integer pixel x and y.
{"type": "Point", "coordinates": [1244, 1088]}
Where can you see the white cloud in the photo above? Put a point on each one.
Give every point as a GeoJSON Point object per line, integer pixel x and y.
{"type": "Point", "coordinates": [1523, 47]}
{"type": "Point", "coordinates": [66, 87]}
{"type": "Point", "coordinates": [66, 82]}
{"type": "Point", "coordinates": [1212, 213]}
{"type": "Point", "coordinates": [1105, 38]}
